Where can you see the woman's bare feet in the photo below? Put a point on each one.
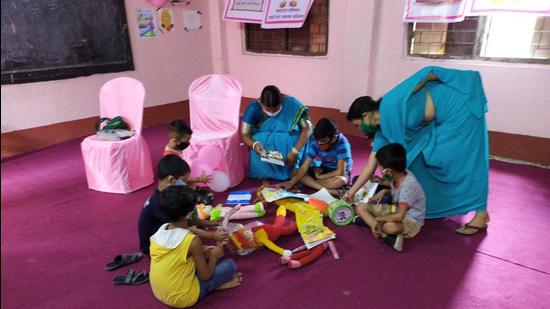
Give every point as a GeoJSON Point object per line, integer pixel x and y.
{"type": "Point", "coordinates": [233, 283]}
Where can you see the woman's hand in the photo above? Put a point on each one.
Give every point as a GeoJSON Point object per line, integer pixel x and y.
{"type": "Point", "coordinates": [348, 197]}
{"type": "Point", "coordinates": [291, 158]}
{"type": "Point", "coordinates": [259, 149]}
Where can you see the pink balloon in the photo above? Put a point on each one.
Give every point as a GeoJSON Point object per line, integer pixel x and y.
{"type": "Point", "coordinates": [157, 3]}
{"type": "Point", "coordinates": [219, 182]}
{"type": "Point", "coordinates": [200, 168]}
{"type": "Point", "coordinates": [211, 155]}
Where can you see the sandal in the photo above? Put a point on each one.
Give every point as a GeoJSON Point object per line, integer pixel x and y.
{"type": "Point", "coordinates": [466, 229]}
{"type": "Point", "coordinates": [132, 278]}
{"type": "Point", "coordinates": [124, 259]}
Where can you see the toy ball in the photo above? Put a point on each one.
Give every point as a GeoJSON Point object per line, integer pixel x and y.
{"type": "Point", "coordinates": [211, 155]}
{"type": "Point", "coordinates": [200, 168]}
{"type": "Point", "coordinates": [219, 182]}
{"type": "Point", "coordinates": [340, 213]}
{"type": "Point", "coordinates": [157, 3]}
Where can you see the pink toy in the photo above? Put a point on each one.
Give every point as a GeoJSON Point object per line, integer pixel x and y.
{"type": "Point", "coordinates": [119, 166]}
{"type": "Point", "coordinates": [214, 104]}
{"type": "Point", "coordinates": [301, 257]}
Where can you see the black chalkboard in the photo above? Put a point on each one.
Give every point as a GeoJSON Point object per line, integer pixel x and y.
{"type": "Point", "coordinates": [58, 39]}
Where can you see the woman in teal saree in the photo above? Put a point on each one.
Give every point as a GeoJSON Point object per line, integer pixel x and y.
{"type": "Point", "coordinates": [438, 115]}
{"type": "Point", "coordinates": [275, 122]}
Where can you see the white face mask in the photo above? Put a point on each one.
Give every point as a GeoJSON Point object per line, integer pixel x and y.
{"type": "Point", "coordinates": [273, 114]}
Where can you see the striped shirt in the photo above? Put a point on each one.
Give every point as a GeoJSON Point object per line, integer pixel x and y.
{"type": "Point", "coordinates": [328, 159]}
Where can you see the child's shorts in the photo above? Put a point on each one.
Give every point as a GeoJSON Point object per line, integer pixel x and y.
{"type": "Point", "coordinates": [325, 170]}
{"type": "Point", "coordinates": [411, 228]}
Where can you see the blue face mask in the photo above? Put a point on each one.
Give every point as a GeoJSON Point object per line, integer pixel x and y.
{"type": "Point", "coordinates": [180, 182]}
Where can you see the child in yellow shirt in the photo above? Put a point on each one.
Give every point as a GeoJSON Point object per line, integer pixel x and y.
{"type": "Point", "coordinates": [182, 270]}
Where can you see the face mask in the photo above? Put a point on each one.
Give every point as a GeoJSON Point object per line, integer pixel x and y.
{"type": "Point", "coordinates": [182, 145]}
{"type": "Point", "coordinates": [180, 182]}
{"type": "Point", "coordinates": [387, 175]}
{"type": "Point", "coordinates": [367, 128]}
{"type": "Point", "coordinates": [270, 114]}
{"type": "Point", "coordinates": [324, 147]}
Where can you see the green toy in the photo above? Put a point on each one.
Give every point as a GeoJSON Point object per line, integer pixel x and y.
{"type": "Point", "coordinates": [340, 213]}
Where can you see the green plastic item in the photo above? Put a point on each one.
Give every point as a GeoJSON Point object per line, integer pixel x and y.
{"type": "Point", "coordinates": [340, 213]}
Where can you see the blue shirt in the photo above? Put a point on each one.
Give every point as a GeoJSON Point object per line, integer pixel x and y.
{"type": "Point", "coordinates": [340, 150]}
{"type": "Point", "coordinates": [150, 220]}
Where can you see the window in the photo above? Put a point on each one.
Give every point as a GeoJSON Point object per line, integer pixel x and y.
{"type": "Point", "coordinates": [503, 38]}
{"type": "Point", "coordinates": [310, 40]}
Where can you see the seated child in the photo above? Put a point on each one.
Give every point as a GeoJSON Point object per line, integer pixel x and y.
{"type": "Point", "coordinates": [328, 162]}
{"type": "Point", "coordinates": [169, 169]}
{"type": "Point", "coordinates": [182, 270]}
{"type": "Point", "coordinates": [179, 135]}
{"type": "Point", "coordinates": [407, 216]}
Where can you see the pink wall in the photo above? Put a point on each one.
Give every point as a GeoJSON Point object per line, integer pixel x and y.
{"type": "Point", "coordinates": [166, 65]}
{"type": "Point", "coordinates": [366, 55]}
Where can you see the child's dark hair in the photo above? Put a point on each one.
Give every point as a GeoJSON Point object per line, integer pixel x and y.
{"type": "Point", "coordinates": [172, 165]}
{"type": "Point", "coordinates": [271, 96]}
{"type": "Point", "coordinates": [180, 127]}
{"type": "Point", "coordinates": [177, 202]}
{"type": "Point", "coordinates": [392, 156]}
{"type": "Point", "coordinates": [325, 127]}
{"type": "Point", "coordinates": [362, 105]}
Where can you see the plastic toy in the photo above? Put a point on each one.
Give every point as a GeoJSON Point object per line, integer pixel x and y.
{"type": "Point", "coordinates": [245, 239]}
{"type": "Point", "coordinates": [301, 257]}
{"type": "Point", "coordinates": [340, 213]}
{"type": "Point", "coordinates": [206, 212]}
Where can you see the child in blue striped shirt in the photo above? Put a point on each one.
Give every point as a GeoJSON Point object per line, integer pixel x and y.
{"type": "Point", "coordinates": [328, 162]}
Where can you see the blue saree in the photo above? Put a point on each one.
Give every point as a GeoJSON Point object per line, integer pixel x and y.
{"type": "Point", "coordinates": [278, 133]}
{"type": "Point", "coordinates": [450, 155]}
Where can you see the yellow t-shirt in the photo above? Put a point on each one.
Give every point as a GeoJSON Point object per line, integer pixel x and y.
{"type": "Point", "coordinates": [172, 273]}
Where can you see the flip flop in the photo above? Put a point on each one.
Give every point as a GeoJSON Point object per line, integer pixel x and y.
{"type": "Point", "coordinates": [476, 229]}
{"type": "Point", "coordinates": [132, 278]}
{"type": "Point", "coordinates": [124, 259]}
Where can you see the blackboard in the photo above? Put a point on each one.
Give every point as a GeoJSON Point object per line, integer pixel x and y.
{"type": "Point", "coordinates": [58, 39]}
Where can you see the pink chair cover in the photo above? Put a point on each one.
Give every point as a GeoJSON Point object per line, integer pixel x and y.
{"type": "Point", "coordinates": [120, 166]}
{"type": "Point", "coordinates": [214, 103]}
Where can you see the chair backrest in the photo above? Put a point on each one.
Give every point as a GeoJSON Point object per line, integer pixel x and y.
{"type": "Point", "coordinates": [214, 103]}
{"type": "Point", "coordinates": [123, 96]}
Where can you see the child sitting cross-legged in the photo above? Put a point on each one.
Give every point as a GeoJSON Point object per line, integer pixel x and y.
{"type": "Point", "coordinates": [328, 163]}
{"type": "Point", "coordinates": [182, 270]}
{"type": "Point", "coordinates": [405, 216]}
{"type": "Point", "coordinates": [170, 169]}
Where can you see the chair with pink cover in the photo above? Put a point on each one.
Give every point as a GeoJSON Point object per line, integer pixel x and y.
{"type": "Point", "coordinates": [214, 104]}
{"type": "Point", "coordinates": [119, 166]}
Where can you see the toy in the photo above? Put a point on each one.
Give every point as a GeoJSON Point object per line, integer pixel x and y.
{"type": "Point", "coordinates": [340, 213]}
{"type": "Point", "coordinates": [245, 239]}
{"type": "Point", "coordinates": [301, 257]}
{"type": "Point", "coordinates": [206, 212]}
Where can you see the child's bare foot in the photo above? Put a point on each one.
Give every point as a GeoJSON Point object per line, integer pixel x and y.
{"type": "Point", "coordinates": [233, 283]}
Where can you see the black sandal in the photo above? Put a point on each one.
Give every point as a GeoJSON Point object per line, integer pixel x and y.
{"type": "Point", "coordinates": [132, 278]}
{"type": "Point", "coordinates": [124, 259]}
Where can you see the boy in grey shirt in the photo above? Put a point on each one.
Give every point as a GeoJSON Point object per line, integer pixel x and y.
{"type": "Point", "coordinates": [405, 216]}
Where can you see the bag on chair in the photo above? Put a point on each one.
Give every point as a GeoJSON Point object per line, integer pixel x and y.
{"type": "Point", "coordinates": [115, 129]}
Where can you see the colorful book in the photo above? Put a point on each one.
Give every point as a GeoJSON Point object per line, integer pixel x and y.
{"type": "Point", "coordinates": [273, 157]}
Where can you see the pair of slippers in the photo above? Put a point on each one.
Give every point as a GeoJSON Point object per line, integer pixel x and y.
{"type": "Point", "coordinates": [468, 229]}
{"type": "Point", "coordinates": [132, 277]}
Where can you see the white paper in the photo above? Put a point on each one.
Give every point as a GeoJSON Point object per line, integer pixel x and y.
{"type": "Point", "coordinates": [191, 20]}
{"type": "Point", "coordinates": [246, 11]}
{"type": "Point", "coordinates": [323, 195]}
{"type": "Point", "coordinates": [366, 192]}
{"type": "Point", "coordinates": [286, 14]}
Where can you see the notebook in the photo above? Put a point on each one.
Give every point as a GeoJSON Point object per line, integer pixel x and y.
{"type": "Point", "coordinates": [239, 197]}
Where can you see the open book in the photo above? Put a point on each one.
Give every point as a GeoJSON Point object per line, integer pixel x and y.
{"type": "Point", "coordinates": [311, 227]}
{"type": "Point", "coordinates": [273, 157]}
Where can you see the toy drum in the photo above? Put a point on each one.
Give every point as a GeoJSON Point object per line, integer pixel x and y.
{"type": "Point", "coordinates": [340, 213]}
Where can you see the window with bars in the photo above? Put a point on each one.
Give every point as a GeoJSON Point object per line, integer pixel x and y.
{"type": "Point", "coordinates": [310, 40]}
{"type": "Point", "coordinates": [502, 38]}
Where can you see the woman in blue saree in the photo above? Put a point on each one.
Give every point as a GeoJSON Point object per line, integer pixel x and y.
{"type": "Point", "coordinates": [275, 122]}
{"type": "Point", "coordinates": [438, 115]}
